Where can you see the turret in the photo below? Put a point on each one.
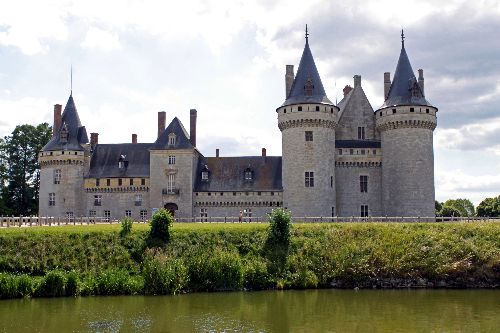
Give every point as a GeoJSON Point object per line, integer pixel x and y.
{"type": "Point", "coordinates": [406, 122]}
{"type": "Point", "coordinates": [62, 162]}
{"type": "Point", "coordinates": [307, 120]}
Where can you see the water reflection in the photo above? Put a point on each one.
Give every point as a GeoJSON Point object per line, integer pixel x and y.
{"type": "Point", "coordinates": [289, 311]}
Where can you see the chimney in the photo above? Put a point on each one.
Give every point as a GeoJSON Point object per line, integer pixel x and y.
{"type": "Point", "coordinates": [347, 89]}
{"type": "Point", "coordinates": [357, 80]}
{"type": "Point", "coordinates": [217, 152]}
{"type": "Point", "coordinates": [263, 152]}
{"type": "Point", "coordinates": [289, 77]}
{"type": "Point", "coordinates": [387, 84]}
{"type": "Point", "coordinates": [421, 80]}
{"type": "Point", "coordinates": [57, 119]}
{"type": "Point", "coordinates": [192, 126]}
{"type": "Point", "coordinates": [134, 138]}
{"type": "Point", "coordinates": [94, 139]}
{"type": "Point", "coordinates": [162, 115]}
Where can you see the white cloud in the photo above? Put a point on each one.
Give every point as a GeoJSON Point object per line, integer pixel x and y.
{"type": "Point", "coordinates": [100, 39]}
{"type": "Point", "coordinates": [27, 110]}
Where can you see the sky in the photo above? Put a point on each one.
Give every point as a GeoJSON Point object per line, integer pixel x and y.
{"type": "Point", "coordinates": [133, 58]}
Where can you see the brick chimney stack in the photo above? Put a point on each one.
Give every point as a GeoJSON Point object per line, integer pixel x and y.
{"type": "Point", "coordinates": [192, 126]}
{"type": "Point", "coordinates": [162, 116]}
{"type": "Point", "coordinates": [421, 80]}
{"type": "Point", "coordinates": [217, 152]}
{"type": "Point", "coordinates": [357, 80]}
{"type": "Point", "coordinates": [57, 119]}
{"type": "Point", "coordinates": [347, 89]}
{"type": "Point", "coordinates": [94, 139]}
{"type": "Point", "coordinates": [134, 138]}
{"type": "Point", "coordinates": [387, 84]}
{"type": "Point", "coordinates": [289, 77]}
{"type": "Point", "coordinates": [263, 152]}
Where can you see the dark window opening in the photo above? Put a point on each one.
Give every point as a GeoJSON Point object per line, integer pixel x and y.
{"type": "Point", "coordinates": [143, 182]}
{"type": "Point", "coordinates": [300, 108]}
{"type": "Point", "coordinates": [412, 109]}
{"type": "Point", "coordinates": [427, 110]}
{"type": "Point", "coordinates": [131, 182]}
{"type": "Point", "coordinates": [317, 108]}
{"type": "Point", "coordinates": [361, 133]}
{"type": "Point", "coordinates": [309, 178]}
{"type": "Point", "coordinates": [309, 136]}
{"type": "Point", "coordinates": [108, 182]}
{"type": "Point", "coordinates": [364, 210]}
{"type": "Point", "coordinates": [393, 110]}
{"type": "Point", "coordinates": [119, 182]}
{"type": "Point", "coordinates": [363, 183]}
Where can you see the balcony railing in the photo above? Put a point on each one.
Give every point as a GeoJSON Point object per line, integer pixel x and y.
{"type": "Point", "coordinates": [170, 191]}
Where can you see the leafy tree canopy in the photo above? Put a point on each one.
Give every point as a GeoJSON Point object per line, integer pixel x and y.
{"type": "Point", "coordinates": [464, 207]}
{"type": "Point", "coordinates": [489, 207]}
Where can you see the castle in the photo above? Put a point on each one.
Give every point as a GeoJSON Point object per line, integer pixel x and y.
{"type": "Point", "coordinates": [338, 160]}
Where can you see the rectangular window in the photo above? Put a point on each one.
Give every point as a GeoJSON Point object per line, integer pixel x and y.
{"type": "Point", "coordinates": [340, 151]}
{"type": "Point", "coordinates": [333, 211]}
{"type": "Point", "coordinates": [412, 109]}
{"type": "Point", "coordinates": [364, 210]}
{"type": "Point", "coordinates": [143, 214]}
{"type": "Point", "coordinates": [171, 159]}
{"type": "Point", "coordinates": [247, 215]}
{"type": "Point", "coordinates": [92, 213]}
{"type": "Point", "coordinates": [351, 151]}
{"type": "Point", "coordinates": [128, 213]}
{"type": "Point", "coordinates": [70, 216]}
{"type": "Point", "coordinates": [171, 182]}
{"type": "Point", "coordinates": [120, 182]}
{"type": "Point", "coordinates": [362, 151]}
{"type": "Point", "coordinates": [97, 200]}
{"type": "Point", "coordinates": [361, 133]}
{"type": "Point", "coordinates": [143, 182]}
{"type": "Point", "coordinates": [309, 136]}
{"type": "Point", "coordinates": [97, 182]}
{"type": "Point", "coordinates": [171, 139]}
{"type": "Point", "coordinates": [300, 108]}
{"type": "Point", "coordinates": [363, 183]}
{"type": "Point", "coordinates": [374, 152]}
{"type": "Point", "coordinates": [107, 215]}
{"type": "Point", "coordinates": [138, 200]}
{"type": "Point", "coordinates": [309, 179]}
{"type": "Point", "coordinates": [331, 181]}
{"type": "Point", "coordinates": [52, 199]}
{"type": "Point", "coordinates": [204, 175]}
{"type": "Point", "coordinates": [108, 182]}
{"type": "Point", "coordinates": [204, 214]}
{"type": "Point", "coordinates": [131, 182]}
{"type": "Point", "coordinates": [57, 176]}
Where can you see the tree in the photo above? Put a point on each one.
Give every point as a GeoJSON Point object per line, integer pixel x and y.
{"type": "Point", "coordinates": [22, 172]}
{"type": "Point", "coordinates": [464, 207]}
{"type": "Point", "coordinates": [489, 207]}
{"type": "Point", "coordinates": [159, 234]}
{"type": "Point", "coordinates": [448, 211]}
{"type": "Point", "coordinates": [438, 206]}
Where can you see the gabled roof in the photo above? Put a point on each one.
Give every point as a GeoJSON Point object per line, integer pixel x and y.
{"type": "Point", "coordinates": [307, 86]}
{"type": "Point", "coordinates": [105, 157]}
{"type": "Point", "coordinates": [405, 89]}
{"type": "Point", "coordinates": [228, 174]}
{"type": "Point", "coordinates": [77, 134]}
{"type": "Point", "coordinates": [182, 140]}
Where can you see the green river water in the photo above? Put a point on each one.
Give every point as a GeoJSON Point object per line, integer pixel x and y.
{"type": "Point", "coordinates": [266, 311]}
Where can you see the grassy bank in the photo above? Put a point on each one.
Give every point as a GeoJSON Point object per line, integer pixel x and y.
{"type": "Point", "coordinates": [95, 260]}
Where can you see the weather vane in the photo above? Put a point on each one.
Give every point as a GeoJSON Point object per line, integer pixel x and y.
{"type": "Point", "coordinates": [307, 34]}
{"type": "Point", "coordinates": [402, 38]}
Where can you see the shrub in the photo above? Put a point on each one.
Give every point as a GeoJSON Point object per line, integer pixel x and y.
{"type": "Point", "coordinates": [8, 287]}
{"type": "Point", "coordinates": [72, 283]}
{"type": "Point", "coordinates": [52, 285]}
{"type": "Point", "coordinates": [280, 227]}
{"type": "Point", "coordinates": [159, 234]}
{"type": "Point", "coordinates": [256, 276]}
{"type": "Point", "coordinates": [163, 275]}
{"type": "Point", "coordinates": [114, 282]}
{"type": "Point", "coordinates": [126, 226]}
{"type": "Point", "coordinates": [24, 286]}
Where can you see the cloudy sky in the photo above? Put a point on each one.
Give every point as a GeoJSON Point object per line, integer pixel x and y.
{"type": "Point", "coordinates": [133, 58]}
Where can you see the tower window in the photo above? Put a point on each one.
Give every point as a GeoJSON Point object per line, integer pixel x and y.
{"type": "Point", "coordinates": [333, 211]}
{"type": "Point", "coordinates": [309, 136]}
{"type": "Point", "coordinates": [412, 109]}
{"type": "Point", "coordinates": [52, 199]}
{"type": "Point", "coordinates": [97, 200]}
{"type": "Point", "coordinates": [309, 179]}
{"type": "Point", "coordinates": [351, 151]}
{"type": "Point", "coordinates": [308, 87]}
{"type": "Point", "coordinates": [57, 176]}
{"type": "Point", "coordinates": [331, 181]}
{"type": "Point", "coordinates": [426, 110]}
{"type": "Point", "coordinates": [171, 159]}
{"type": "Point", "coordinates": [340, 151]}
{"type": "Point", "coordinates": [380, 114]}
{"type": "Point", "coordinates": [317, 108]}
{"type": "Point", "coordinates": [138, 200]}
{"type": "Point", "coordinates": [171, 183]}
{"type": "Point", "coordinates": [393, 110]}
{"type": "Point", "coordinates": [364, 210]}
{"type": "Point", "coordinates": [363, 184]}
{"type": "Point", "coordinates": [361, 133]}
{"type": "Point", "coordinates": [300, 108]}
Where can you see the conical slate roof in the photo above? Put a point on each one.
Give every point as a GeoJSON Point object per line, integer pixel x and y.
{"type": "Point", "coordinates": [182, 140]}
{"type": "Point", "coordinates": [405, 89]}
{"type": "Point", "coordinates": [307, 86]}
{"type": "Point", "coordinates": [70, 122]}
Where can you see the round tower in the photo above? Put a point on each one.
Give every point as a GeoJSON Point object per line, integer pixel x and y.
{"type": "Point", "coordinates": [62, 166]}
{"type": "Point", "coordinates": [406, 122]}
{"type": "Point", "coordinates": [307, 120]}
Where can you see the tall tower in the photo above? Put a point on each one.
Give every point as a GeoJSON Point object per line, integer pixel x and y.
{"type": "Point", "coordinates": [62, 162]}
{"type": "Point", "coordinates": [307, 120]}
{"type": "Point", "coordinates": [406, 122]}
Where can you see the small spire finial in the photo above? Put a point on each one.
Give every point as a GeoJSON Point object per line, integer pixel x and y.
{"type": "Point", "coordinates": [402, 38]}
{"type": "Point", "coordinates": [307, 34]}
{"type": "Point", "coordinates": [71, 80]}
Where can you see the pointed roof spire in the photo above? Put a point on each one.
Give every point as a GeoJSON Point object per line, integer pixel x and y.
{"type": "Point", "coordinates": [405, 89]}
{"type": "Point", "coordinates": [307, 86]}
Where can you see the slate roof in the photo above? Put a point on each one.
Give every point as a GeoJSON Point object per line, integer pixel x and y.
{"type": "Point", "coordinates": [228, 174]}
{"type": "Point", "coordinates": [357, 144]}
{"type": "Point", "coordinates": [182, 140]}
{"type": "Point", "coordinates": [77, 134]}
{"type": "Point", "coordinates": [104, 161]}
{"type": "Point", "coordinates": [307, 72]}
{"type": "Point", "coordinates": [404, 88]}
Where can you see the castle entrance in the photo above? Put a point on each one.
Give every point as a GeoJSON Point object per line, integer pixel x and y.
{"type": "Point", "coordinates": [171, 207]}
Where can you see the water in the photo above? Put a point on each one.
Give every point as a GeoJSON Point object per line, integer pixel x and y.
{"type": "Point", "coordinates": [267, 311]}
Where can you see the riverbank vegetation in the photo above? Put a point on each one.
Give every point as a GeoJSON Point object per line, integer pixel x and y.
{"type": "Point", "coordinates": [101, 260]}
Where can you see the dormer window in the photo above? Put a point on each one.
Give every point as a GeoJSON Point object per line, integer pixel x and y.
{"type": "Point", "coordinates": [122, 163]}
{"type": "Point", "coordinates": [248, 174]}
{"type": "Point", "coordinates": [171, 139]}
{"type": "Point", "coordinates": [204, 173]}
{"type": "Point", "coordinates": [64, 134]}
{"type": "Point", "coordinates": [309, 87]}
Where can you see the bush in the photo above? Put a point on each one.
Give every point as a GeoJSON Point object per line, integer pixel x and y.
{"type": "Point", "coordinates": [115, 282]}
{"type": "Point", "coordinates": [72, 283]}
{"type": "Point", "coordinates": [126, 226]}
{"type": "Point", "coordinates": [159, 234]}
{"type": "Point", "coordinates": [280, 227]}
{"type": "Point", "coordinates": [24, 286]}
{"type": "Point", "coordinates": [8, 287]}
{"type": "Point", "coordinates": [256, 276]}
{"type": "Point", "coordinates": [52, 285]}
{"type": "Point", "coordinates": [163, 275]}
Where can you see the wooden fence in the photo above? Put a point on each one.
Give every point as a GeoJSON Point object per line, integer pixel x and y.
{"type": "Point", "coordinates": [32, 221]}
